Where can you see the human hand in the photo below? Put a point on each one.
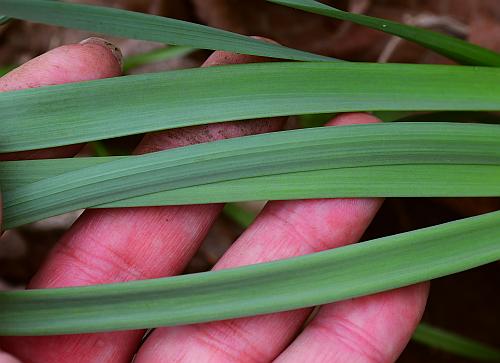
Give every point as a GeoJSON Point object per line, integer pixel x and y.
{"type": "Point", "coordinates": [114, 245]}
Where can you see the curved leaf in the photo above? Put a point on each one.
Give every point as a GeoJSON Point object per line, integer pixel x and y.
{"type": "Point", "coordinates": [129, 24]}
{"type": "Point", "coordinates": [453, 48]}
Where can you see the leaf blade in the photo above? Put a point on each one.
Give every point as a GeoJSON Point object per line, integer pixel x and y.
{"type": "Point", "coordinates": [455, 344]}
{"type": "Point", "coordinates": [438, 180]}
{"type": "Point", "coordinates": [260, 155]}
{"type": "Point", "coordinates": [129, 24]}
{"type": "Point", "coordinates": [89, 111]}
{"type": "Point", "coordinates": [320, 278]}
{"type": "Point", "coordinates": [156, 55]}
{"type": "Point", "coordinates": [453, 48]}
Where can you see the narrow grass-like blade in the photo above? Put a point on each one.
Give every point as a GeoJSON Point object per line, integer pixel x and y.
{"type": "Point", "coordinates": [439, 116]}
{"type": "Point", "coordinates": [99, 148]}
{"type": "Point", "coordinates": [156, 55]}
{"type": "Point", "coordinates": [72, 113]}
{"type": "Point", "coordinates": [436, 180]}
{"type": "Point", "coordinates": [5, 70]}
{"type": "Point", "coordinates": [128, 24]}
{"type": "Point", "coordinates": [239, 215]}
{"type": "Point", "coordinates": [319, 278]}
{"type": "Point", "coordinates": [453, 48]}
{"type": "Point", "coordinates": [252, 156]}
{"type": "Point", "coordinates": [451, 116]}
{"type": "Point", "coordinates": [455, 344]}
{"type": "Point", "coordinates": [5, 19]}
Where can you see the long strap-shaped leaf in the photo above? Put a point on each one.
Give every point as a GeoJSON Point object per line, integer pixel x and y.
{"type": "Point", "coordinates": [66, 114]}
{"type": "Point", "coordinates": [453, 48]}
{"type": "Point", "coordinates": [128, 24]}
{"type": "Point", "coordinates": [441, 180]}
{"type": "Point", "coordinates": [320, 278]}
{"type": "Point", "coordinates": [251, 156]}
{"type": "Point", "coordinates": [156, 55]}
{"type": "Point", "coordinates": [148, 27]}
{"type": "Point", "coordinates": [455, 344]}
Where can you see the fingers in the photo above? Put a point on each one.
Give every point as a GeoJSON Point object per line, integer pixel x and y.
{"type": "Point", "coordinates": [89, 60]}
{"type": "Point", "coordinates": [371, 329]}
{"type": "Point", "coordinates": [126, 244]}
{"type": "Point", "coordinates": [282, 230]}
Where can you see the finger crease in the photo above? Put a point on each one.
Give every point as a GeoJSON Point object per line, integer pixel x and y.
{"type": "Point", "coordinates": [101, 264]}
{"type": "Point", "coordinates": [352, 337]}
{"type": "Point", "coordinates": [309, 238]}
{"type": "Point", "coordinates": [220, 338]}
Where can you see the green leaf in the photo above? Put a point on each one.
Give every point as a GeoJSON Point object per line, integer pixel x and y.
{"type": "Point", "coordinates": [73, 113]}
{"type": "Point", "coordinates": [156, 55]}
{"type": "Point", "coordinates": [128, 24]}
{"type": "Point", "coordinates": [277, 153]}
{"type": "Point", "coordinates": [99, 148]}
{"type": "Point", "coordinates": [481, 117]}
{"type": "Point", "coordinates": [5, 19]}
{"type": "Point", "coordinates": [239, 215]}
{"type": "Point", "coordinates": [442, 116]}
{"type": "Point", "coordinates": [5, 69]}
{"type": "Point", "coordinates": [315, 279]}
{"type": "Point", "coordinates": [453, 48]}
{"type": "Point", "coordinates": [437, 180]}
{"type": "Point", "coordinates": [455, 344]}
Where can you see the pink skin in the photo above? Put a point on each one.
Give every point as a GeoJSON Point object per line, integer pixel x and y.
{"type": "Point", "coordinates": [137, 243]}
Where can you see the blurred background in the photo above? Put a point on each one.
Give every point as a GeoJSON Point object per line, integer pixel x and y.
{"type": "Point", "coordinates": [465, 303]}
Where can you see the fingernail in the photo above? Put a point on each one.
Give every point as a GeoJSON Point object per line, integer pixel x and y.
{"type": "Point", "coordinates": [117, 53]}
